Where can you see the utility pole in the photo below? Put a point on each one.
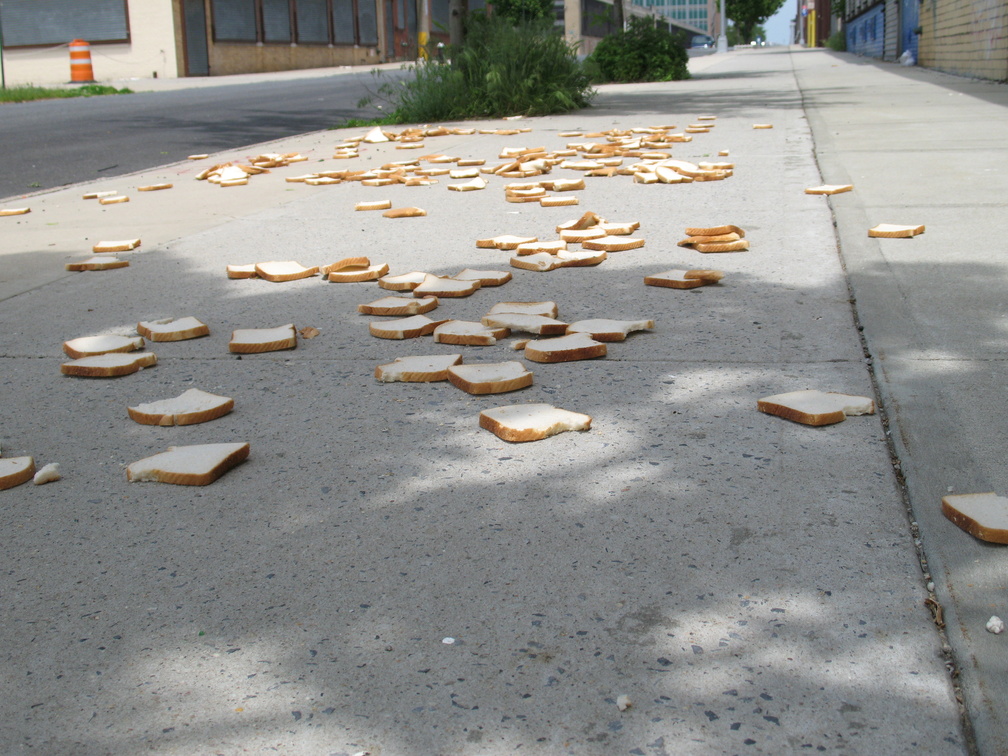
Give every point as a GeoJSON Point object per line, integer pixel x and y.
{"type": "Point", "coordinates": [3, 76]}
{"type": "Point", "coordinates": [456, 21]}
{"type": "Point", "coordinates": [722, 40]}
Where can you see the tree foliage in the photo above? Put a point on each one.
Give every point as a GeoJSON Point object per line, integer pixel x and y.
{"type": "Point", "coordinates": [523, 10]}
{"type": "Point", "coordinates": [748, 14]}
{"type": "Point", "coordinates": [641, 53]}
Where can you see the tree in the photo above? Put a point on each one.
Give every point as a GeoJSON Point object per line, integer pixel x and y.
{"type": "Point", "coordinates": [747, 14]}
{"type": "Point", "coordinates": [523, 10]}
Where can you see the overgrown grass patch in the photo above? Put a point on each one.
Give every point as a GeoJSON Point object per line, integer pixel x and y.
{"type": "Point", "coordinates": [29, 93]}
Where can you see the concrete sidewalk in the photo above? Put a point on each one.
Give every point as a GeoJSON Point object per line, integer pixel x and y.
{"type": "Point", "coordinates": [752, 585]}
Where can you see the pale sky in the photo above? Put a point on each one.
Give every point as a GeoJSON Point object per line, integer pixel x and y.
{"type": "Point", "coordinates": [778, 27]}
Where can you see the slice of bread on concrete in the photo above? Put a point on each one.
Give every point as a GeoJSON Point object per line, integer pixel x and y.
{"type": "Point", "coordinates": [485, 277]}
{"type": "Point", "coordinates": [16, 470]}
{"type": "Point", "coordinates": [569, 348]}
{"type": "Point", "coordinates": [154, 187]}
{"type": "Point", "coordinates": [551, 247]}
{"type": "Point", "coordinates": [111, 365]}
{"type": "Point", "coordinates": [505, 241]}
{"type": "Point", "coordinates": [5, 211]}
{"type": "Point", "coordinates": [490, 377]}
{"type": "Point", "coordinates": [531, 422]}
{"type": "Point", "coordinates": [684, 279]}
{"type": "Point", "coordinates": [398, 306]}
{"type": "Point", "coordinates": [418, 369]}
{"type": "Point", "coordinates": [98, 263]}
{"type": "Point", "coordinates": [691, 241]}
{"type": "Point", "coordinates": [982, 515]}
{"type": "Point", "coordinates": [894, 231]}
{"type": "Point", "coordinates": [374, 205]}
{"type": "Point", "coordinates": [197, 465]}
{"type": "Point", "coordinates": [617, 228]}
{"type": "Point", "coordinates": [88, 346]}
{"type": "Point", "coordinates": [813, 407]}
{"type": "Point", "coordinates": [830, 189]}
{"type": "Point", "coordinates": [474, 185]}
{"type": "Point", "coordinates": [241, 271]}
{"type": "Point", "coordinates": [582, 258]}
{"type": "Point", "coordinates": [540, 262]}
{"type": "Point", "coordinates": [609, 329]}
{"type": "Point", "coordinates": [173, 329]}
{"type": "Point", "coordinates": [439, 286]}
{"type": "Point", "coordinates": [733, 246]}
{"type": "Point", "coordinates": [540, 325]}
{"type": "Point", "coordinates": [714, 230]}
{"type": "Point", "coordinates": [469, 333]}
{"type": "Point", "coordinates": [412, 327]}
{"type": "Point", "coordinates": [405, 212]}
{"type": "Point", "coordinates": [580, 236]}
{"type": "Point", "coordinates": [402, 281]}
{"type": "Point", "coordinates": [587, 220]}
{"type": "Point", "coordinates": [549, 309]}
{"type": "Point", "coordinates": [286, 270]}
{"type": "Point", "coordinates": [613, 243]}
{"type": "Point", "coordinates": [353, 270]}
{"type": "Point", "coordinates": [124, 245]}
{"type": "Point", "coordinates": [258, 340]}
{"type": "Point", "coordinates": [189, 408]}
{"type": "Point", "coordinates": [558, 201]}
{"type": "Point", "coordinates": [114, 201]}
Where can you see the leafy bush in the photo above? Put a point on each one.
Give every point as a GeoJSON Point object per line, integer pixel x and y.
{"type": "Point", "coordinates": [641, 53]}
{"type": "Point", "coordinates": [837, 41]}
{"type": "Point", "coordinates": [503, 68]}
{"type": "Point", "coordinates": [523, 10]}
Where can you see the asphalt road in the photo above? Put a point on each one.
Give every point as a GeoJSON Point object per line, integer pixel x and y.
{"type": "Point", "coordinates": [53, 143]}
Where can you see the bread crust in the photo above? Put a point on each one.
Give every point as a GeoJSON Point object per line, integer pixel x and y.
{"type": "Point", "coordinates": [569, 348]}
{"type": "Point", "coordinates": [287, 270]}
{"type": "Point", "coordinates": [412, 327]}
{"type": "Point", "coordinates": [111, 365]}
{"type": "Point", "coordinates": [714, 230]}
{"type": "Point", "coordinates": [815, 408]}
{"type": "Point", "coordinates": [402, 281]}
{"type": "Point", "coordinates": [354, 274]}
{"type": "Point", "coordinates": [490, 378]}
{"type": "Point", "coordinates": [404, 212]}
{"type": "Point", "coordinates": [982, 515]}
{"type": "Point", "coordinates": [15, 470]}
{"type": "Point", "coordinates": [98, 263]}
{"type": "Point", "coordinates": [469, 333]}
{"type": "Point", "coordinates": [519, 423]}
{"type": "Point", "coordinates": [399, 306]}
{"type": "Point", "coordinates": [614, 243]}
{"type": "Point", "coordinates": [167, 412]}
{"type": "Point", "coordinates": [181, 330]}
{"type": "Point", "coordinates": [205, 463]}
{"type": "Point", "coordinates": [673, 279]}
{"type": "Point", "coordinates": [91, 346]}
{"type": "Point", "coordinates": [448, 288]}
{"type": "Point", "coordinates": [417, 369]}
{"type": "Point", "coordinates": [259, 340]}
{"type": "Point", "coordinates": [485, 277]}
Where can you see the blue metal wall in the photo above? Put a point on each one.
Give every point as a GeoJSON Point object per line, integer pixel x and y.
{"type": "Point", "coordinates": [866, 33]}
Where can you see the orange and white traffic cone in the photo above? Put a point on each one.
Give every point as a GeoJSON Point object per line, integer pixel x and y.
{"type": "Point", "coordinates": [80, 62]}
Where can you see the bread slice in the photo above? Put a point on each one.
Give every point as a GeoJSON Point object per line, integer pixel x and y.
{"type": "Point", "coordinates": [587, 220]}
{"type": "Point", "coordinates": [624, 228]}
{"type": "Point", "coordinates": [830, 189]}
{"type": "Point", "coordinates": [445, 287]}
{"type": "Point", "coordinates": [405, 212]}
{"type": "Point", "coordinates": [258, 340]}
{"type": "Point", "coordinates": [111, 365]}
{"type": "Point", "coordinates": [531, 422]}
{"type": "Point", "coordinates": [580, 236]}
{"type": "Point", "coordinates": [485, 277]}
{"type": "Point", "coordinates": [197, 465]}
{"type": "Point", "coordinates": [88, 346]}
{"type": "Point", "coordinates": [550, 247]}
{"type": "Point", "coordinates": [694, 240]}
{"type": "Point", "coordinates": [412, 327]}
{"type": "Point", "coordinates": [418, 369]}
{"type": "Point", "coordinates": [684, 279]}
{"type": "Point", "coordinates": [189, 408]}
{"type": "Point", "coordinates": [48, 474]}
{"type": "Point", "coordinates": [403, 281]}
{"type": "Point", "coordinates": [288, 270]}
{"type": "Point", "coordinates": [398, 306]}
{"type": "Point", "coordinates": [581, 258]}
{"type": "Point", "coordinates": [99, 195]}
{"type": "Point", "coordinates": [613, 243]}
{"type": "Point", "coordinates": [569, 348]}
{"type": "Point", "coordinates": [558, 201]}
{"type": "Point", "coordinates": [505, 241]}
{"type": "Point", "coordinates": [733, 246]}
{"type": "Point", "coordinates": [98, 263]}
{"type": "Point", "coordinates": [813, 407]}
{"type": "Point", "coordinates": [469, 333]}
{"type": "Point", "coordinates": [475, 185]}
{"type": "Point", "coordinates": [154, 187]}
{"type": "Point", "coordinates": [982, 515]}
{"type": "Point", "coordinates": [608, 329]}
{"type": "Point", "coordinates": [241, 271]}
{"type": "Point", "coordinates": [549, 309]}
{"type": "Point", "coordinates": [893, 231]}
{"type": "Point", "coordinates": [540, 325]}
{"type": "Point", "coordinates": [16, 470]}
{"type": "Point", "coordinates": [173, 329]}
{"type": "Point", "coordinates": [5, 211]}
{"type": "Point", "coordinates": [490, 377]}
{"type": "Point", "coordinates": [125, 245]}
{"type": "Point", "coordinates": [114, 201]}
{"type": "Point", "coordinates": [714, 230]}
{"type": "Point", "coordinates": [539, 262]}
{"type": "Point", "coordinates": [375, 205]}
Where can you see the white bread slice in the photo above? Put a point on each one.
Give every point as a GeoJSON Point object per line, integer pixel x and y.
{"type": "Point", "coordinates": [418, 369]}
{"type": "Point", "coordinates": [505, 241]}
{"type": "Point", "coordinates": [714, 230]}
{"type": "Point", "coordinates": [445, 287]}
{"type": "Point", "coordinates": [412, 327]}
{"type": "Point", "coordinates": [613, 243]}
{"type": "Point", "coordinates": [375, 205]}
{"type": "Point", "coordinates": [188, 408]}
{"type": "Point", "coordinates": [398, 306]}
{"type": "Point", "coordinates": [99, 263]}
{"type": "Point", "coordinates": [468, 333]}
{"type": "Point", "coordinates": [569, 348]}
{"type": "Point", "coordinates": [173, 329]}
{"type": "Point", "coordinates": [539, 262]}
{"type": "Point", "coordinates": [550, 247]}
{"type": "Point", "coordinates": [485, 277]}
{"type": "Point", "coordinates": [587, 220]}
{"type": "Point", "coordinates": [531, 422]}
{"type": "Point", "coordinates": [154, 187]}
{"type": "Point", "coordinates": [124, 245]}
{"type": "Point", "coordinates": [549, 309]}
{"type": "Point", "coordinates": [258, 340]}
{"type": "Point", "coordinates": [490, 378]}
{"type": "Point", "coordinates": [16, 470]}
{"type": "Point", "coordinates": [287, 270]}
{"type": "Point", "coordinates": [111, 365]}
{"type": "Point", "coordinates": [469, 186]}
{"type": "Point", "coordinates": [581, 258]}
{"type": "Point", "coordinates": [830, 189]}
{"type": "Point", "coordinates": [580, 236]}
{"type": "Point", "coordinates": [344, 272]}
{"type": "Point", "coordinates": [684, 279]}
{"type": "Point", "coordinates": [624, 228]}
{"type": "Point", "coordinates": [813, 407]}
{"type": "Point", "coordinates": [608, 329]}
{"type": "Point", "coordinates": [982, 515]}
{"type": "Point", "coordinates": [894, 231]}
{"type": "Point", "coordinates": [694, 240]}
{"type": "Point", "coordinates": [241, 271]}
{"type": "Point", "coordinates": [99, 195]}
{"type": "Point", "coordinates": [114, 201]}
{"type": "Point", "coordinates": [539, 325]}
{"type": "Point", "coordinates": [732, 246]}
{"type": "Point", "coordinates": [4, 211]}
{"type": "Point", "coordinates": [403, 281]}
{"type": "Point", "coordinates": [197, 465]}
{"type": "Point", "coordinates": [405, 212]}
{"type": "Point", "coordinates": [88, 346]}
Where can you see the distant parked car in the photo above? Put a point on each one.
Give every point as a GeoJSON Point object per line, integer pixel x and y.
{"type": "Point", "coordinates": [701, 42]}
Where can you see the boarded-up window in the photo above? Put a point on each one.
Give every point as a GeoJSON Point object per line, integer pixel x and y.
{"type": "Point", "coordinates": [343, 22]}
{"type": "Point", "coordinates": [368, 24]}
{"type": "Point", "coordinates": [54, 22]}
{"type": "Point", "coordinates": [234, 21]}
{"type": "Point", "coordinates": [312, 21]}
{"type": "Point", "coordinates": [276, 21]}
